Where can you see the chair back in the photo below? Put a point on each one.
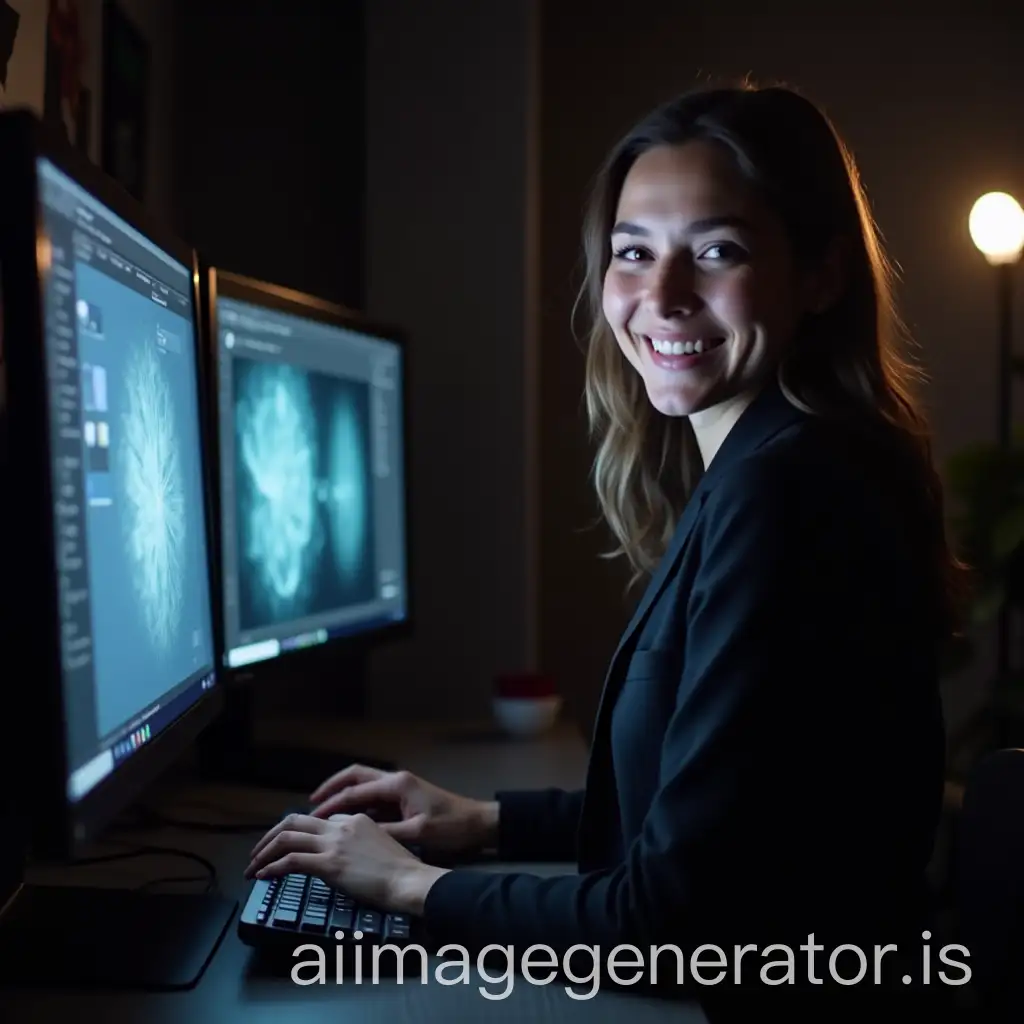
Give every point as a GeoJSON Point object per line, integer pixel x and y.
{"type": "Point", "coordinates": [989, 880]}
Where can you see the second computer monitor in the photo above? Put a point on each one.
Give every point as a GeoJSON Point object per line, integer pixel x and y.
{"type": "Point", "coordinates": [312, 453]}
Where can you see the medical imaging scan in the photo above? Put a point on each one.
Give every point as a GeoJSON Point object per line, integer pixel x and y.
{"type": "Point", "coordinates": [153, 513]}
{"type": "Point", "coordinates": [145, 503]}
{"type": "Point", "coordinates": [303, 492]}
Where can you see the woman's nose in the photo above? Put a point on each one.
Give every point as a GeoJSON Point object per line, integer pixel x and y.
{"type": "Point", "coordinates": [671, 292]}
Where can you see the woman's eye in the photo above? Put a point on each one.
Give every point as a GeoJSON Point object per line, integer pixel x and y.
{"type": "Point", "coordinates": [629, 253]}
{"type": "Point", "coordinates": [722, 251]}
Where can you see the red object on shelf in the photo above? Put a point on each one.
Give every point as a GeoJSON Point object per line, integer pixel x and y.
{"type": "Point", "coordinates": [524, 685]}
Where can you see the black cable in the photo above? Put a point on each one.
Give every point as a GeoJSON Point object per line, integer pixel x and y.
{"type": "Point", "coordinates": [148, 817]}
{"type": "Point", "coordinates": [149, 883]}
{"type": "Point", "coordinates": [148, 851]}
{"type": "Point", "coordinates": [210, 826]}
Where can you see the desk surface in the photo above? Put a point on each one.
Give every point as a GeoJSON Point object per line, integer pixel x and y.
{"type": "Point", "coordinates": [470, 761]}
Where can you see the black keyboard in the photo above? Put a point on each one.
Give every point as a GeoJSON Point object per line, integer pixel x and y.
{"type": "Point", "coordinates": [283, 913]}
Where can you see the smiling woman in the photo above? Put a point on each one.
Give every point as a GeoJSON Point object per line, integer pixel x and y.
{"type": "Point", "coordinates": [701, 290]}
{"type": "Point", "coordinates": [767, 763]}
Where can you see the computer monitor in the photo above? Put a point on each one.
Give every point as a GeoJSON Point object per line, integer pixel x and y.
{"type": "Point", "coordinates": [112, 652]}
{"type": "Point", "coordinates": [311, 421]}
{"type": "Point", "coordinates": [311, 471]}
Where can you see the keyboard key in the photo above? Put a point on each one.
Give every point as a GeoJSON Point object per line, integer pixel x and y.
{"type": "Point", "coordinates": [314, 921]}
{"type": "Point", "coordinates": [341, 919]}
{"type": "Point", "coordinates": [397, 927]}
{"type": "Point", "coordinates": [285, 917]}
{"type": "Point", "coordinates": [369, 922]}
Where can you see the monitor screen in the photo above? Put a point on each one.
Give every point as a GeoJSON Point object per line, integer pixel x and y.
{"type": "Point", "coordinates": [130, 523]}
{"type": "Point", "coordinates": [312, 479]}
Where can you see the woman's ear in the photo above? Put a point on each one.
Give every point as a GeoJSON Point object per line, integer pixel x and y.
{"type": "Point", "coordinates": [827, 284]}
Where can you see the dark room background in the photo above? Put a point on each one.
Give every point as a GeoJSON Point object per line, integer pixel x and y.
{"type": "Point", "coordinates": [429, 161]}
{"type": "Point", "coordinates": [268, 153]}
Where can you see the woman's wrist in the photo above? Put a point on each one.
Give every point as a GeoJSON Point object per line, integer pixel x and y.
{"type": "Point", "coordinates": [485, 823]}
{"type": "Point", "coordinates": [411, 886]}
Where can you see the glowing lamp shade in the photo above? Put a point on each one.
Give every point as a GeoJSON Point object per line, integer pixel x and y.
{"type": "Point", "coordinates": [997, 228]}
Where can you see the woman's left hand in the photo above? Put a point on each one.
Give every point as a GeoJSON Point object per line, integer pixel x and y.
{"type": "Point", "coordinates": [349, 852]}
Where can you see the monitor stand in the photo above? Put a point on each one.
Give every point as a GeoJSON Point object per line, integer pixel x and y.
{"type": "Point", "coordinates": [228, 751]}
{"type": "Point", "coordinates": [59, 936]}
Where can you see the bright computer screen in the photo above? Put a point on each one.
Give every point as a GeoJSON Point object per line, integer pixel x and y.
{"type": "Point", "coordinates": [130, 526]}
{"type": "Point", "coordinates": [312, 480]}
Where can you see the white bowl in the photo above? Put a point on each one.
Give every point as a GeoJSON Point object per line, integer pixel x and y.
{"type": "Point", "coordinates": [526, 716]}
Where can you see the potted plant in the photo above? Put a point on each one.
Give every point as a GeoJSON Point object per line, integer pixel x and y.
{"type": "Point", "coordinates": [986, 485]}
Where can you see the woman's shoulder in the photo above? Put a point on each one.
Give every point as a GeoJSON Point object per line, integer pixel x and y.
{"type": "Point", "coordinates": [827, 464]}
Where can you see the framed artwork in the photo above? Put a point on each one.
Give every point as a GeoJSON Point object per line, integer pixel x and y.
{"type": "Point", "coordinates": [126, 90]}
{"type": "Point", "coordinates": [10, 20]}
{"type": "Point", "coordinates": [23, 31]}
{"type": "Point", "coordinates": [67, 101]}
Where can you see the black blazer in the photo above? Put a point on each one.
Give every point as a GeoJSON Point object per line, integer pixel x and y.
{"type": "Point", "coordinates": [768, 756]}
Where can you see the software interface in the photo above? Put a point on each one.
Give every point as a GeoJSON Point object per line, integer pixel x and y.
{"type": "Point", "coordinates": [311, 467]}
{"type": "Point", "coordinates": [131, 544]}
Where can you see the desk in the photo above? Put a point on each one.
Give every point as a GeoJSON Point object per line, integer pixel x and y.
{"type": "Point", "coordinates": [470, 761]}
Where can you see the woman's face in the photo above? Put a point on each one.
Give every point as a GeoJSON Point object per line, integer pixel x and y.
{"type": "Point", "coordinates": [701, 291]}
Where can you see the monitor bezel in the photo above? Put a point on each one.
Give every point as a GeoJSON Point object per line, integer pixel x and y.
{"type": "Point", "coordinates": [59, 826]}
{"type": "Point", "coordinates": [217, 282]}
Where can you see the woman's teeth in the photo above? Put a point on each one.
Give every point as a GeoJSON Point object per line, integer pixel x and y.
{"type": "Point", "coordinates": [683, 348]}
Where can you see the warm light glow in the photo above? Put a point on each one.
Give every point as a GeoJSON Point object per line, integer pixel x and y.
{"type": "Point", "coordinates": [44, 253]}
{"type": "Point", "coordinates": [997, 227]}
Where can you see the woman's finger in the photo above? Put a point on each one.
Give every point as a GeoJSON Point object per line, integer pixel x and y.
{"type": "Point", "coordinates": [294, 863]}
{"type": "Point", "coordinates": [409, 830]}
{"type": "Point", "coordinates": [284, 843]}
{"type": "Point", "coordinates": [352, 775]}
{"type": "Point", "coordinates": [355, 797]}
{"type": "Point", "coordinates": [292, 823]}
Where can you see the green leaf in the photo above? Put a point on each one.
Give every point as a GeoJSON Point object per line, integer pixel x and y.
{"type": "Point", "coordinates": [969, 470]}
{"type": "Point", "coordinates": [1010, 688]}
{"type": "Point", "coordinates": [1008, 533]}
{"type": "Point", "coordinates": [991, 597]}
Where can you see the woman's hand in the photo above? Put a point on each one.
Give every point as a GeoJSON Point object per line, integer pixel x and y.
{"type": "Point", "coordinates": [429, 816]}
{"type": "Point", "coordinates": [348, 852]}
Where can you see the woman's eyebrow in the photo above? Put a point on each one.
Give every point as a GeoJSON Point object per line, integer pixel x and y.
{"type": "Point", "coordinates": [702, 226]}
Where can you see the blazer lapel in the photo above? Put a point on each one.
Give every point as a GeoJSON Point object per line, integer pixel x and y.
{"type": "Point", "coordinates": [595, 794]}
{"type": "Point", "coordinates": [769, 413]}
{"type": "Point", "coordinates": [763, 418]}
{"type": "Point", "coordinates": [654, 588]}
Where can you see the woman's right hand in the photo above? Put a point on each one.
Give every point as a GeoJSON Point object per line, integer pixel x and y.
{"type": "Point", "coordinates": [427, 815]}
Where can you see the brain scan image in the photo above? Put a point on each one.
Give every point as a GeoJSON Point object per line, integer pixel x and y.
{"type": "Point", "coordinates": [277, 452]}
{"type": "Point", "coordinates": [152, 485]}
{"type": "Point", "coordinates": [302, 493]}
{"type": "Point", "coordinates": [346, 487]}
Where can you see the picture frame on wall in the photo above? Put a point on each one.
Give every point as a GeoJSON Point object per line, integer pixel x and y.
{"type": "Point", "coordinates": [10, 21]}
{"type": "Point", "coordinates": [67, 101]}
{"type": "Point", "coordinates": [126, 92]}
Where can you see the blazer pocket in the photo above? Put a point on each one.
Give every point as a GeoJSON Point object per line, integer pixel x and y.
{"type": "Point", "coordinates": [654, 663]}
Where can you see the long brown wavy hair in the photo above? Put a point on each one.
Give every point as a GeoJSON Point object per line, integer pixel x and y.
{"type": "Point", "coordinates": [648, 464]}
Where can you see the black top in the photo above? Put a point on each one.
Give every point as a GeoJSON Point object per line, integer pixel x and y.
{"type": "Point", "coordinates": [768, 757]}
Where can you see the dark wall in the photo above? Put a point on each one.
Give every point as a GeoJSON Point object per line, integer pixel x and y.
{"type": "Point", "coordinates": [270, 140]}
{"type": "Point", "coordinates": [451, 103]}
